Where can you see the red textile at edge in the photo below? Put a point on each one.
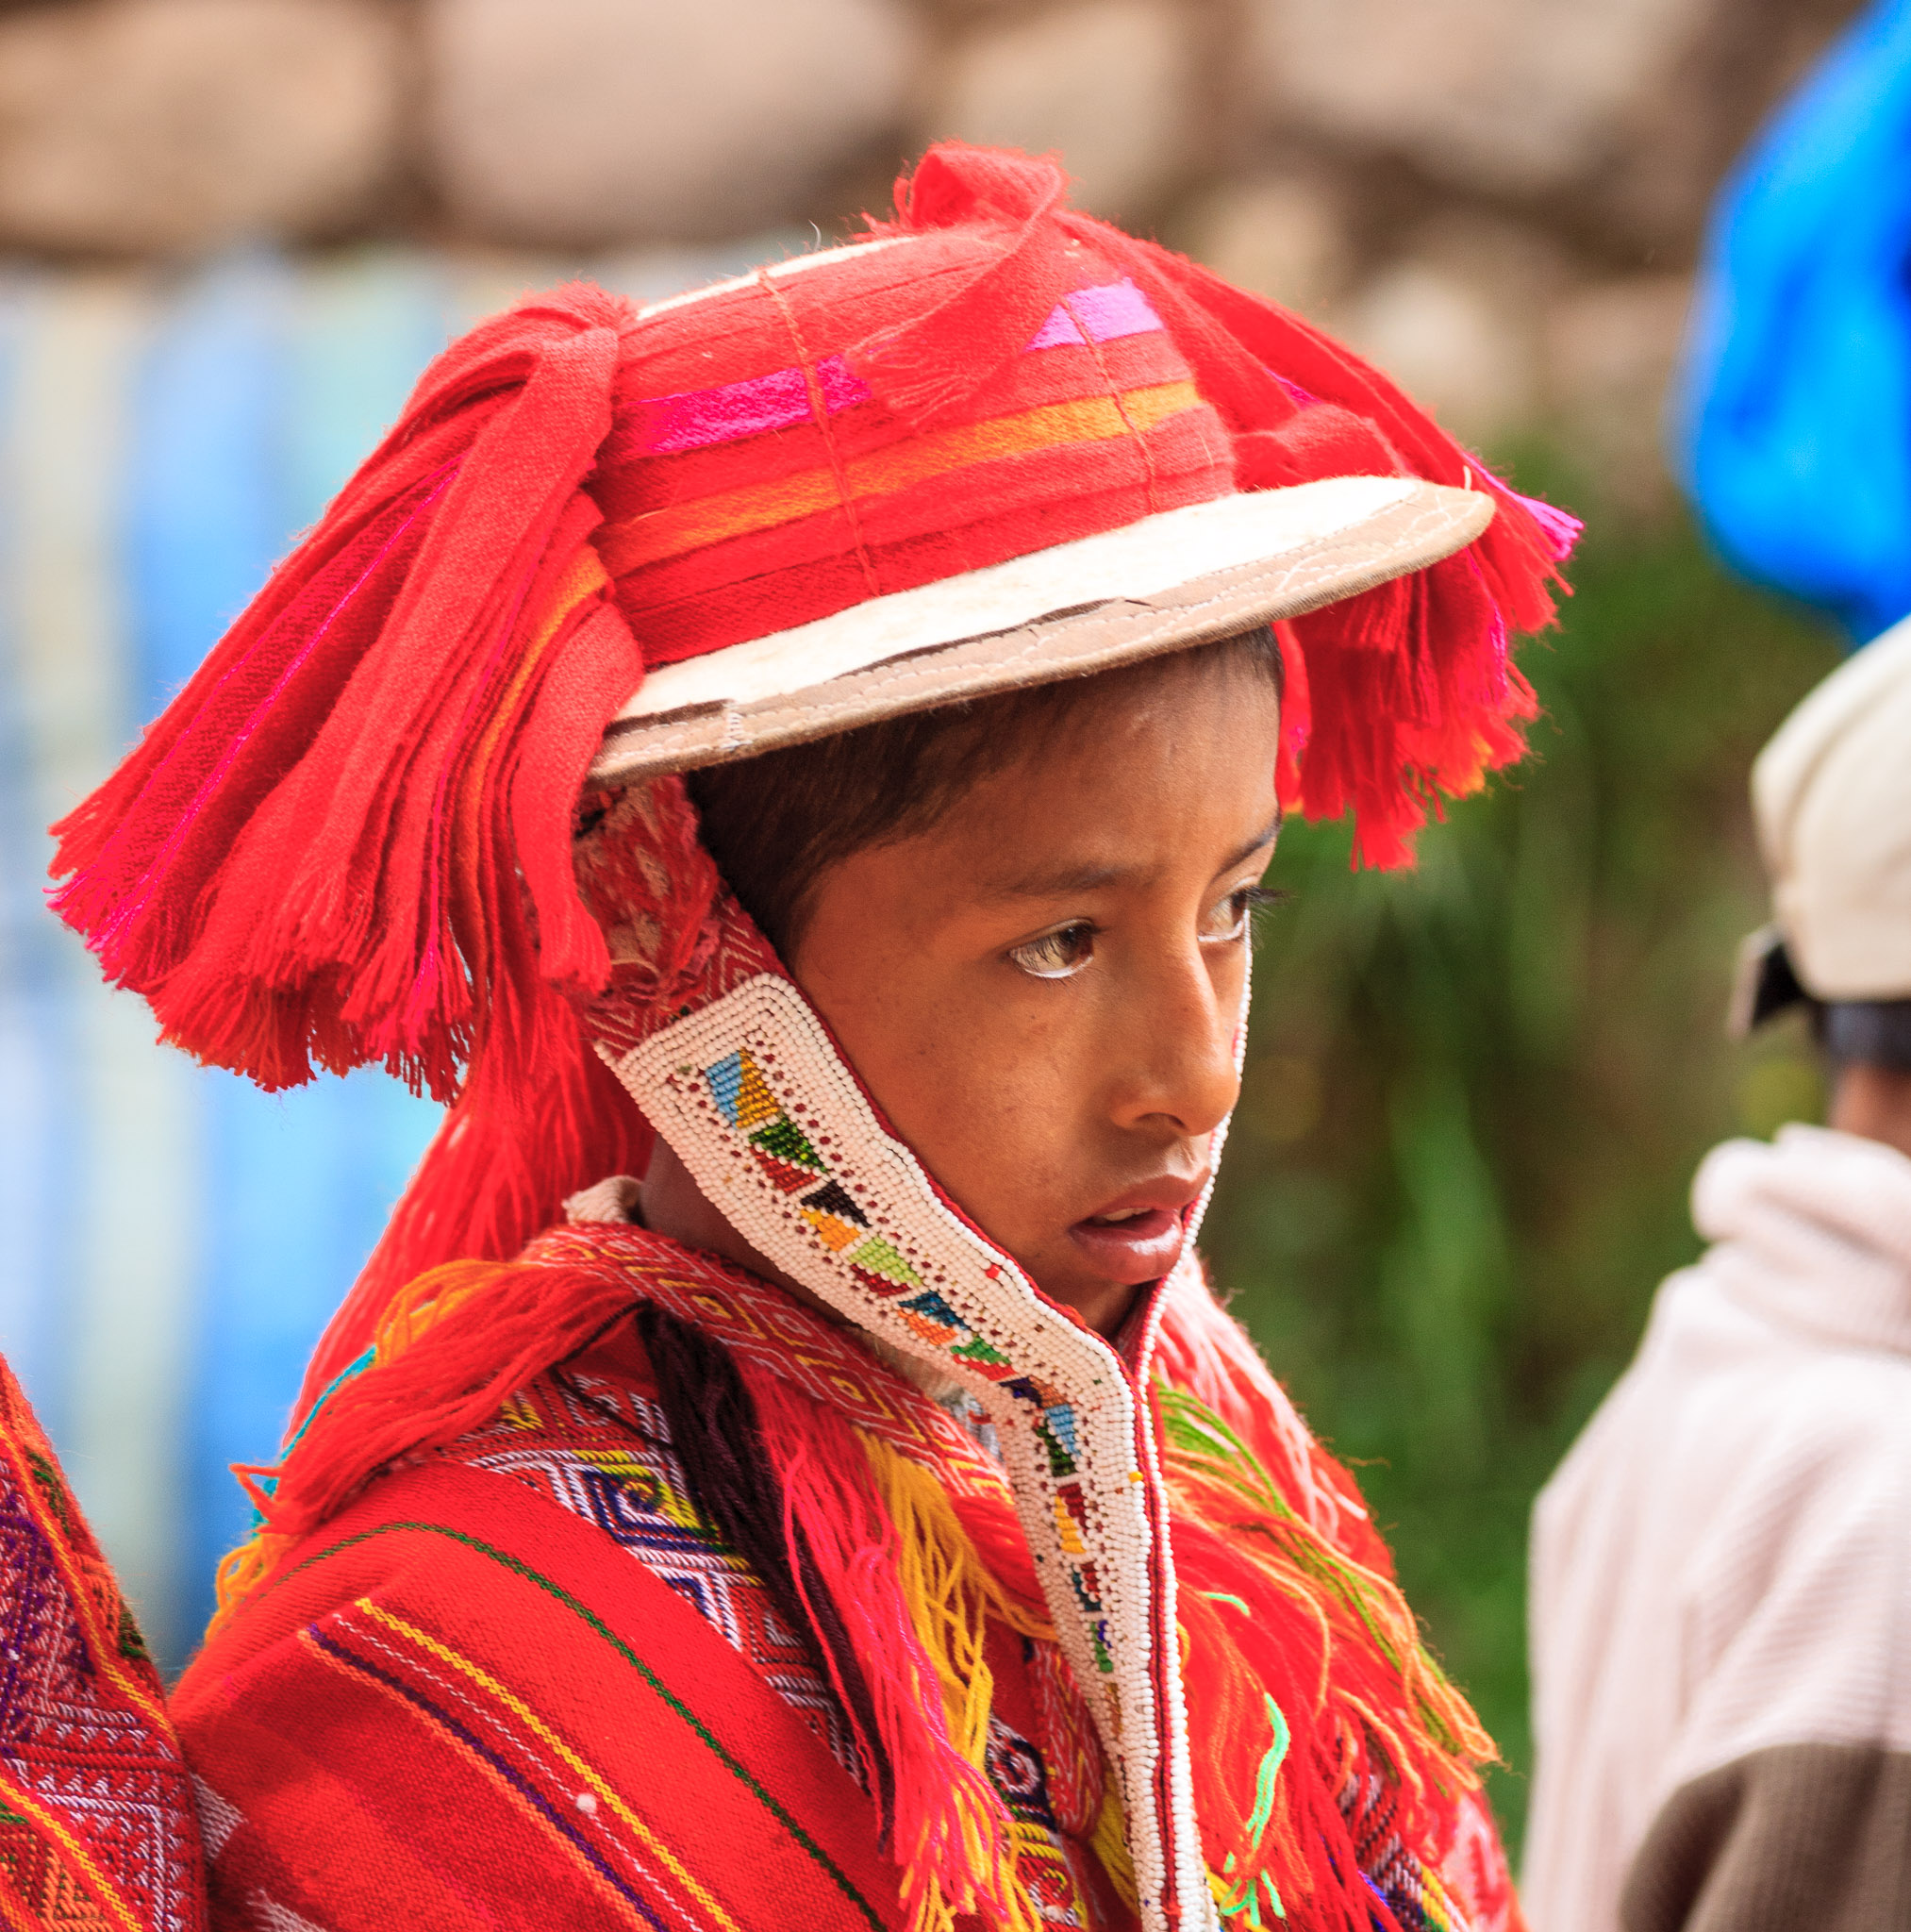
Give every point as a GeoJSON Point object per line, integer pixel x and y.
{"type": "Point", "coordinates": [561, 1670]}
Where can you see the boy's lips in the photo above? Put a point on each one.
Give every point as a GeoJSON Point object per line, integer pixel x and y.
{"type": "Point", "coordinates": [1138, 1237]}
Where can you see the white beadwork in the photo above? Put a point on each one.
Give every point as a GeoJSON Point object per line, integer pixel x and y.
{"type": "Point", "coordinates": [1077, 1441]}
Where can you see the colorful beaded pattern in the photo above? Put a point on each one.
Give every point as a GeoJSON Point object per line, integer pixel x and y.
{"type": "Point", "coordinates": [752, 1094]}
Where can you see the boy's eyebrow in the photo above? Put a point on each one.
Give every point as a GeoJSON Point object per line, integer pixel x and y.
{"type": "Point", "coordinates": [1087, 878]}
{"type": "Point", "coordinates": [1266, 835]}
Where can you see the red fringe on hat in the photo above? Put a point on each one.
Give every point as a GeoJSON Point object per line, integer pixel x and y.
{"type": "Point", "coordinates": [1400, 693]}
{"type": "Point", "coordinates": [347, 840]}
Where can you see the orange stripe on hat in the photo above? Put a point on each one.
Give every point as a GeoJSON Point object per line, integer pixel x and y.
{"type": "Point", "coordinates": [674, 532]}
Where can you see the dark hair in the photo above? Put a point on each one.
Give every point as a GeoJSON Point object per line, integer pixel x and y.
{"type": "Point", "coordinates": [775, 823]}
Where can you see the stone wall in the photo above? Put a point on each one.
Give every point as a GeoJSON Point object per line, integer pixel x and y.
{"type": "Point", "coordinates": [1498, 199]}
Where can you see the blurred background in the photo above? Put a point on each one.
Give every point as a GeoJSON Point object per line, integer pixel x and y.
{"type": "Point", "coordinates": [231, 233]}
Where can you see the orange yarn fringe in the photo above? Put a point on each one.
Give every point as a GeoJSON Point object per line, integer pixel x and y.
{"type": "Point", "coordinates": [1346, 1683]}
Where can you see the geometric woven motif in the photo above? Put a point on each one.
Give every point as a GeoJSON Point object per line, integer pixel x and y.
{"type": "Point", "coordinates": [762, 1325]}
{"type": "Point", "coordinates": [97, 1819]}
{"type": "Point", "coordinates": [610, 1460]}
{"type": "Point", "coordinates": [1412, 1894]}
{"type": "Point", "coordinates": [1054, 1871]}
{"type": "Point", "coordinates": [627, 1481]}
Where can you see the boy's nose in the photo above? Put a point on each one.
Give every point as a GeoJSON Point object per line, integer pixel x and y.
{"type": "Point", "coordinates": [1179, 1051]}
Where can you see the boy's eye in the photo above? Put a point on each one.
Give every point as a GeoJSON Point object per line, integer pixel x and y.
{"type": "Point", "coordinates": [1228, 922]}
{"type": "Point", "coordinates": [1056, 954]}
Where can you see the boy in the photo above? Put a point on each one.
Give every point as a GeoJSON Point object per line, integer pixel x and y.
{"type": "Point", "coordinates": [867, 1516]}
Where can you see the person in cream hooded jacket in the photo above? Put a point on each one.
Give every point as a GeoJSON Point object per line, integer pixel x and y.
{"type": "Point", "coordinates": [1721, 1566]}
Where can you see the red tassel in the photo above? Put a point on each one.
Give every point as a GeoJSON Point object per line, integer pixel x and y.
{"type": "Point", "coordinates": [1204, 1352]}
{"type": "Point", "coordinates": [949, 1831]}
{"type": "Point", "coordinates": [542, 1116]}
{"type": "Point", "coordinates": [992, 315]}
{"type": "Point", "coordinates": [1256, 1675]}
{"type": "Point", "coordinates": [312, 856]}
{"type": "Point", "coordinates": [325, 854]}
{"type": "Point", "coordinates": [486, 1186]}
{"type": "Point", "coordinates": [451, 1351]}
{"type": "Point", "coordinates": [1300, 407]}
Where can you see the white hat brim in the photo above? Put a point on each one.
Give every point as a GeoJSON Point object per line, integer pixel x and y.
{"type": "Point", "coordinates": [1178, 578]}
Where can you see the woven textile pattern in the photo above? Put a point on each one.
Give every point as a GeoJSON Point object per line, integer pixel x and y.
{"type": "Point", "coordinates": [96, 1817]}
{"type": "Point", "coordinates": [755, 1099]}
{"type": "Point", "coordinates": [789, 489]}
{"type": "Point", "coordinates": [625, 1480]}
{"type": "Point", "coordinates": [445, 1690]}
{"type": "Point", "coordinates": [556, 1728]}
{"type": "Point", "coordinates": [608, 1459]}
{"type": "Point", "coordinates": [1413, 1895]}
{"type": "Point", "coordinates": [1051, 1867]}
{"type": "Point", "coordinates": [765, 1327]}
{"type": "Point", "coordinates": [701, 419]}
{"type": "Point", "coordinates": [1471, 1890]}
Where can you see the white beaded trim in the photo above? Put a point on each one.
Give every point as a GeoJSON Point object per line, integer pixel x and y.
{"type": "Point", "coordinates": [752, 1094]}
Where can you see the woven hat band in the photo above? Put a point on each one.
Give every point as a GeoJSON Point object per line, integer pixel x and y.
{"type": "Point", "coordinates": [784, 487]}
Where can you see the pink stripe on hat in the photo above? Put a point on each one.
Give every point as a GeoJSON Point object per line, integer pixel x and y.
{"type": "Point", "coordinates": [1115, 308]}
{"type": "Point", "coordinates": [703, 418]}
{"type": "Point", "coordinates": [700, 419]}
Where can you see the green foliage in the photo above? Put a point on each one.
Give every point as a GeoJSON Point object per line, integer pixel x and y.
{"type": "Point", "coordinates": [1476, 1093]}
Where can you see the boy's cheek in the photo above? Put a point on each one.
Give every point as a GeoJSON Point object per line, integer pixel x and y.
{"type": "Point", "coordinates": [1000, 1136]}
{"type": "Point", "coordinates": [990, 1082]}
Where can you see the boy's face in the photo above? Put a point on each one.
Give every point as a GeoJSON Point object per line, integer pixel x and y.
{"type": "Point", "coordinates": [1041, 992]}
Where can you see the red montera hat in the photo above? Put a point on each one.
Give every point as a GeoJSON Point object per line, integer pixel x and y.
{"type": "Point", "coordinates": [996, 442]}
